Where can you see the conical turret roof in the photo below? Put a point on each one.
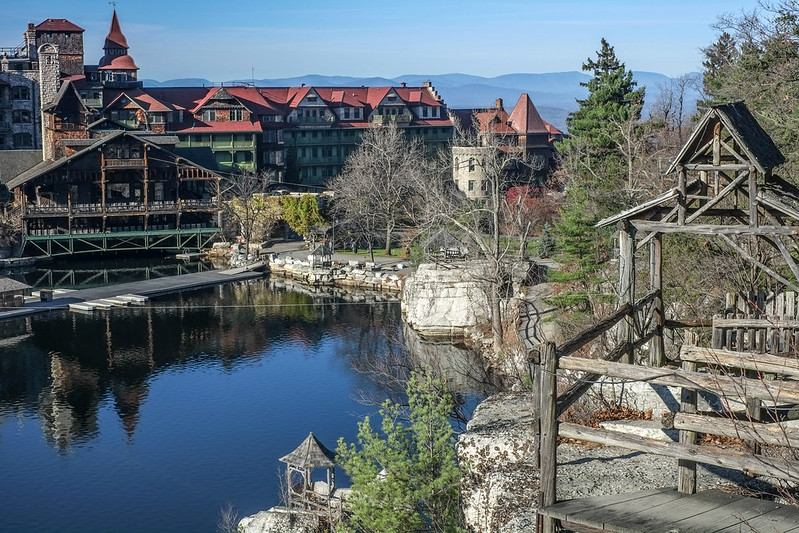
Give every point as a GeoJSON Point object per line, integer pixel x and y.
{"type": "Point", "coordinates": [115, 38]}
{"type": "Point", "coordinates": [310, 454]}
{"type": "Point", "coordinates": [525, 117]}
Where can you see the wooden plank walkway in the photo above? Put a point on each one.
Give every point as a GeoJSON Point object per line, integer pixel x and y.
{"type": "Point", "coordinates": [150, 287]}
{"type": "Point", "coordinates": [666, 510]}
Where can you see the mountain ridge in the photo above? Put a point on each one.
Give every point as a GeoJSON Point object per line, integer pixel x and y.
{"type": "Point", "coordinates": [554, 94]}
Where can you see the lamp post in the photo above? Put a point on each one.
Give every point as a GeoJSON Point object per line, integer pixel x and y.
{"type": "Point", "coordinates": [333, 243]}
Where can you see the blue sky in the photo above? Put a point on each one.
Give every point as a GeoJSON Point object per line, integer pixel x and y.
{"type": "Point", "coordinates": [236, 39]}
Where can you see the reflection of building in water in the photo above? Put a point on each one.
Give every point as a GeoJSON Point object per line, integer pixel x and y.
{"type": "Point", "coordinates": [68, 408]}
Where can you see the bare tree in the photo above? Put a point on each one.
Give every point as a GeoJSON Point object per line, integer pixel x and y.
{"type": "Point", "coordinates": [246, 202]}
{"type": "Point", "coordinates": [479, 220]}
{"type": "Point", "coordinates": [374, 191]}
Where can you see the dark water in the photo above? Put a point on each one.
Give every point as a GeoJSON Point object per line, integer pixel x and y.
{"type": "Point", "coordinates": [154, 418]}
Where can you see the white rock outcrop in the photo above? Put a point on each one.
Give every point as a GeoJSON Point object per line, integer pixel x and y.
{"type": "Point", "coordinates": [444, 301]}
{"type": "Point", "coordinates": [279, 520]}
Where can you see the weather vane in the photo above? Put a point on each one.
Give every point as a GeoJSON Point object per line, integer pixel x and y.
{"type": "Point", "coordinates": [113, 4]}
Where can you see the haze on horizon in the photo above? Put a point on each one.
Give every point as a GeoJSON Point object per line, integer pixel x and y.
{"type": "Point", "coordinates": [362, 38]}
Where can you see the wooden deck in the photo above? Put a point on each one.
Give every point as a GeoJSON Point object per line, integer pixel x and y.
{"type": "Point", "coordinates": [668, 511]}
{"type": "Point", "coordinates": [150, 287]}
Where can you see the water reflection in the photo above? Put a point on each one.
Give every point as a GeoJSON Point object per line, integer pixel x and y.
{"type": "Point", "coordinates": [188, 402]}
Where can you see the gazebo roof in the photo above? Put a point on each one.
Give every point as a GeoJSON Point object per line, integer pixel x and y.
{"type": "Point", "coordinates": [310, 454]}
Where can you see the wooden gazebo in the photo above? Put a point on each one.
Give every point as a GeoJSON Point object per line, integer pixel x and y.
{"type": "Point", "coordinates": [303, 493]}
{"type": "Point", "coordinates": [726, 189]}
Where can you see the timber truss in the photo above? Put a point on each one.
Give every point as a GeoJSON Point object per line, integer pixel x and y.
{"type": "Point", "coordinates": [725, 189]}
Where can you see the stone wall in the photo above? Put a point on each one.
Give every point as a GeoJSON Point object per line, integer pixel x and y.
{"type": "Point", "coordinates": [354, 274]}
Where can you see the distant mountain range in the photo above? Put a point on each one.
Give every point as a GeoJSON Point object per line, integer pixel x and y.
{"type": "Point", "coordinates": [554, 94]}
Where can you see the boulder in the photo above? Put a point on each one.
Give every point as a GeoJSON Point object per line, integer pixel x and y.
{"type": "Point", "coordinates": [279, 520]}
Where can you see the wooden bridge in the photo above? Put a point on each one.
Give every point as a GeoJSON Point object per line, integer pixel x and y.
{"type": "Point", "coordinates": [751, 366]}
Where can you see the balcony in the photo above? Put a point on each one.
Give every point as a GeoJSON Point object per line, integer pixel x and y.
{"type": "Point", "coordinates": [124, 163]}
{"type": "Point", "coordinates": [404, 118]}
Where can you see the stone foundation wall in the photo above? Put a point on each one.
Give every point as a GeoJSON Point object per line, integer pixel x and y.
{"type": "Point", "coordinates": [356, 275]}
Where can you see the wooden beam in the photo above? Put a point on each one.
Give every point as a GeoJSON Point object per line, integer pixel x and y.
{"type": "Point", "coordinates": [772, 364]}
{"type": "Point", "coordinates": [721, 195]}
{"type": "Point", "coordinates": [752, 177]}
{"type": "Point", "coordinates": [681, 200]}
{"type": "Point", "coordinates": [771, 272]}
{"type": "Point", "coordinates": [725, 385]}
{"type": "Point", "coordinates": [713, 229]}
{"type": "Point", "coordinates": [678, 324]}
{"type": "Point", "coordinates": [580, 387]}
{"type": "Point", "coordinates": [725, 458]}
{"type": "Point", "coordinates": [589, 334]}
{"type": "Point", "coordinates": [775, 433]}
{"type": "Point", "coordinates": [725, 167]}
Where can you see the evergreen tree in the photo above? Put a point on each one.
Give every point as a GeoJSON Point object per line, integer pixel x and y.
{"type": "Point", "coordinates": [406, 479]}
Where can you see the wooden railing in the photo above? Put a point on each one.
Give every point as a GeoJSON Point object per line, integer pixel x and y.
{"type": "Point", "coordinates": [736, 378]}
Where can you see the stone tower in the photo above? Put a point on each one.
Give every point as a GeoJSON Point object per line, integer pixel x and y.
{"type": "Point", "coordinates": [49, 83]}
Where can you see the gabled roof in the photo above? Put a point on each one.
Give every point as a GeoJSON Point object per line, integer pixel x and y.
{"type": "Point", "coordinates": [310, 454]}
{"type": "Point", "coordinates": [749, 137]}
{"type": "Point", "coordinates": [142, 100]}
{"type": "Point", "coordinates": [525, 118]}
{"type": "Point", "coordinates": [115, 37]}
{"type": "Point", "coordinates": [58, 25]}
{"type": "Point", "coordinates": [67, 88]}
{"type": "Point", "coordinates": [47, 166]}
{"type": "Point", "coordinates": [15, 162]}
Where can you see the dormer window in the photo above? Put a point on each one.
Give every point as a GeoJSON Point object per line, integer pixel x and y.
{"type": "Point", "coordinates": [209, 115]}
{"type": "Point", "coordinates": [236, 115]}
{"type": "Point", "coordinates": [311, 98]}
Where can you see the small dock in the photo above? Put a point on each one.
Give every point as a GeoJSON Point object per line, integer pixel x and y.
{"type": "Point", "coordinates": [132, 293]}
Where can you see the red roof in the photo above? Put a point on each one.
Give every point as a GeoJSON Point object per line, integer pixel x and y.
{"type": "Point", "coordinates": [111, 62]}
{"type": "Point", "coordinates": [525, 117]}
{"type": "Point", "coordinates": [115, 38]}
{"type": "Point", "coordinates": [220, 127]}
{"type": "Point", "coordinates": [143, 100]}
{"type": "Point", "coordinates": [58, 25]}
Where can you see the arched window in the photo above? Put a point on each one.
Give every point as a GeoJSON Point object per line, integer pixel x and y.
{"type": "Point", "coordinates": [20, 116]}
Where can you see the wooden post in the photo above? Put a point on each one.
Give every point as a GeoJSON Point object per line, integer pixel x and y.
{"type": "Point", "coordinates": [686, 470]}
{"type": "Point", "coordinates": [752, 198]}
{"type": "Point", "coordinates": [534, 363]}
{"type": "Point", "coordinates": [681, 200]}
{"type": "Point", "coordinates": [549, 435]}
{"type": "Point", "coordinates": [657, 350]}
{"type": "Point", "coordinates": [627, 284]}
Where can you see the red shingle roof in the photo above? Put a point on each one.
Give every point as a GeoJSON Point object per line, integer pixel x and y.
{"type": "Point", "coordinates": [115, 38]}
{"type": "Point", "coordinates": [110, 62]}
{"type": "Point", "coordinates": [525, 117]}
{"type": "Point", "coordinates": [58, 25]}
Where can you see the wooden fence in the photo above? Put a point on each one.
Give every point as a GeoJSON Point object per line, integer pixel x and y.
{"type": "Point", "coordinates": [731, 375]}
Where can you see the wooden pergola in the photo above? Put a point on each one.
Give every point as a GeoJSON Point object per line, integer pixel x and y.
{"type": "Point", "coordinates": [725, 189]}
{"type": "Point", "coordinates": [300, 463]}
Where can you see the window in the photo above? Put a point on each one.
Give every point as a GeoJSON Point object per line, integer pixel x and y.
{"type": "Point", "coordinates": [20, 92]}
{"type": "Point", "coordinates": [23, 140]}
{"type": "Point", "coordinates": [471, 165]}
{"type": "Point", "coordinates": [236, 115]}
{"type": "Point", "coordinates": [484, 185]}
{"type": "Point", "coordinates": [346, 112]}
{"type": "Point", "coordinates": [209, 115]}
{"type": "Point", "coordinates": [20, 116]}
{"type": "Point", "coordinates": [471, 185]}
{"type": "Point", "coordinates": [424, 112]}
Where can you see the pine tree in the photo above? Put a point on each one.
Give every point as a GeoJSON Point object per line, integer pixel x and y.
{"type": "Point", "coordinates": [407, 478]}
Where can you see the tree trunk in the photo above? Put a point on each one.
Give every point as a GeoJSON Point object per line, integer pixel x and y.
{"type": "Point", "coordinates": [389, 231]}
{"type": "Point", "coordinates": [496, 316]}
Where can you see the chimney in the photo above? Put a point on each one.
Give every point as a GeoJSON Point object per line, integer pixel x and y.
{"type": "Point", "coordinates": [499, 103]}
{"type": "Point", "coordinates": [404, 84]}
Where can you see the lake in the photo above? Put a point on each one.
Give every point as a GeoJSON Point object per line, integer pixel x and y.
{"type": "Point", "coordinates": [153, 418]}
